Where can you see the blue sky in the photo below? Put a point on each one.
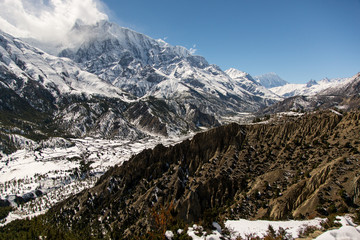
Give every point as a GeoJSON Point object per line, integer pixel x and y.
{"type": "Point", "coordinates": [298, 39]}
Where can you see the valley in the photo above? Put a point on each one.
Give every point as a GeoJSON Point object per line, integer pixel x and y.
{"type": "Point", "coordinates": [40, 178]}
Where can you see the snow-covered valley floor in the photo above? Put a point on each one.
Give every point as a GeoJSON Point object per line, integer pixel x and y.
{"type": "Point", "coordinates": [48, 175]}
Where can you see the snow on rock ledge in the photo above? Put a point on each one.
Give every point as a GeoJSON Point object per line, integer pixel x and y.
{"type": "Point", "coordinates": [259, 228]}
{"type": "Point", "coordinates": [349, 230]}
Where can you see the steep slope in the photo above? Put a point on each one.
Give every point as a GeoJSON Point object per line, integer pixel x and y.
{"type": "Point", "coordinates": [59, 76]}
{"type": "Point", "coordinates": [152, 68]}
{"type": "Point", "coordinates": [270, 80]}
{"type": "Point", "coordinates": [301, 167]}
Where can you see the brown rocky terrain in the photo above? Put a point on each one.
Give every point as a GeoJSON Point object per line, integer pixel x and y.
{"type": "Point", "coordinates": [295, 167]}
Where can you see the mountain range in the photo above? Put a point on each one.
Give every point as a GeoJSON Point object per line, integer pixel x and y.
{"type": "Point", "coordinates": [310, 88]}
{"type": "Point", "coordinates": [339, 94]}
{"type": "Point", "coordinates": [119, 83]}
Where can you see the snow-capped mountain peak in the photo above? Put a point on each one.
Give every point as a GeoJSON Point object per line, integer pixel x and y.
{"type": "Point", "coordinates": [174, 89]}
{"type": "Point", "coordinates": [146, 67]}
{"type": "Point", "coordinates": [311, 88]}
{"type": "Point", "coordinates": [59, 75]}
{"type": "Point", "coordinates": [310, 83]}
{"type": "Point", "coordinates": [235, 73]}
{"type": "Point", "coordinates": [143, 47]}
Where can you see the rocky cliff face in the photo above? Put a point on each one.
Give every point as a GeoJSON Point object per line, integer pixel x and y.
{"type": "Point", "coordinates": [298, 167]}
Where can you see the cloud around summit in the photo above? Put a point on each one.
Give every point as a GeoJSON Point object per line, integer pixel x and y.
{"type": "Point", "coordinates": [48, 20]}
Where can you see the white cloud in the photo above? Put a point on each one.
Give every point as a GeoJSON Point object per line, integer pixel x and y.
{"type": "Point", "coordinates": [193, 49]}
{"type": "Point", "coordinates": [47, 20]}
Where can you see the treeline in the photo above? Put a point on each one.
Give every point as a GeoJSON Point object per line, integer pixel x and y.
{"type": "Point", "coordinates": [36, 228]}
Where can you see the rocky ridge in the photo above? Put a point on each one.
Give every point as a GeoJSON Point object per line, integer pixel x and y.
{"type": "Point", "coordinates": [298, 167]}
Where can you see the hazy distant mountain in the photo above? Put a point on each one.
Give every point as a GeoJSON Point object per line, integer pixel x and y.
{"type": "Point", "coordinates": [270, 80]}
{"type": "Point", "coordinates": [309, 89]}
{"type": "Point", "coordinates": [340, 94]}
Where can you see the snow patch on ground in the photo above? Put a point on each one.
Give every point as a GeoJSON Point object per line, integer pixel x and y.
{"type": "Point", "coordinates": [336, 112]}
{"type": "Point", "coordinates": [343, 233]}
{"type": "Point", "coordinates": [197, 233]}
{"type": "Point", "coordinates": [169, 234]}
{"type": "Point", "coordinates": [245, 227]}
{"type": "Point", "coordinates": [290, 114]}
{"type": "Point", "coordinates": [258, 228]}
{"type": "Point", "coordinates": [348, 231]}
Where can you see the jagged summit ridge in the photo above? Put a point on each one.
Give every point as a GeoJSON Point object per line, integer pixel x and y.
{"type": "Point", "coordinates": [143, 48]}
{"type": "Point", "coordinates": [146, 67]}
{"type": "Point", "coordinates": [58, 75]}
{"type": "Point", "coordinates": [235, 73]}
{"type": "Point", "coordinates": [339, 93]}
{"type": "Point", "coordinates": [311, 88]}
